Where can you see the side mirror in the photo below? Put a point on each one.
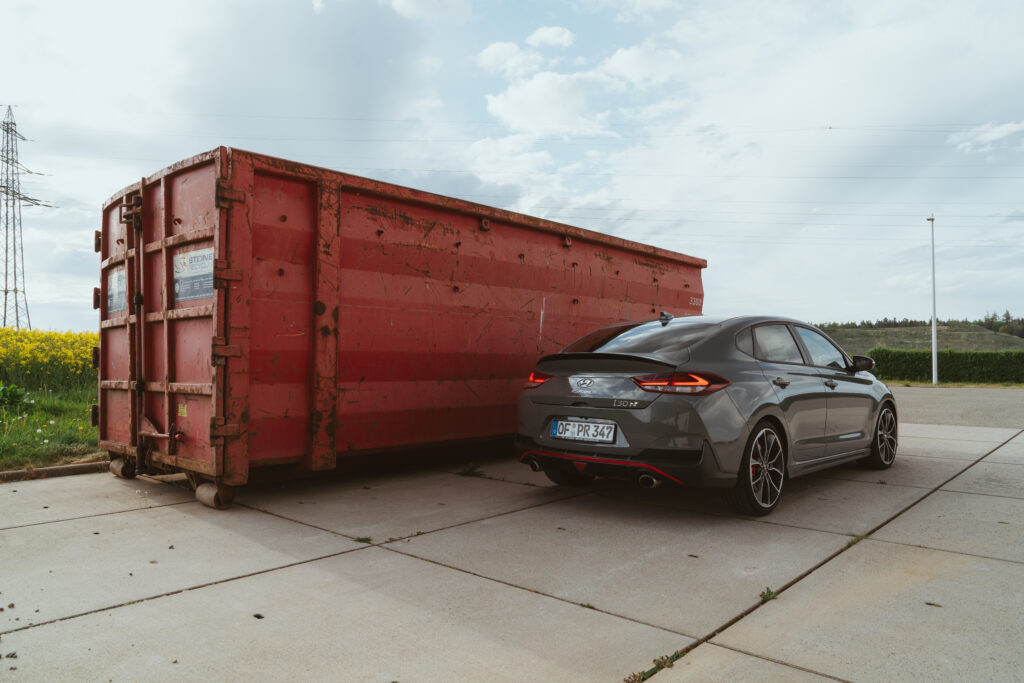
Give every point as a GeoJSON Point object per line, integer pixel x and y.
{"type": "Point", "coordinates": [863, 364]}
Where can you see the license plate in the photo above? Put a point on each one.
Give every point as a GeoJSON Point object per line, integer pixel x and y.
{"type": "Point", "coordinates": [594, 432]}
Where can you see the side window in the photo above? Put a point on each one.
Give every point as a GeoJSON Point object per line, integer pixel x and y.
{"type": "Point", "coordinates": [823, 352]}
{"type": "Point", "coordinates": [774, 343]}
{"type": "Point", "coordinates": [745, 342]}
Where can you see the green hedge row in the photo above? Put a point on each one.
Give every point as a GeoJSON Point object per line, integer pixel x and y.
{"type": "Point", "coordinates": [954, 366]}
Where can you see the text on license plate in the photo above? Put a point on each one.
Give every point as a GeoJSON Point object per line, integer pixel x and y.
{"type": "Point", "coordinates": [583, 431]}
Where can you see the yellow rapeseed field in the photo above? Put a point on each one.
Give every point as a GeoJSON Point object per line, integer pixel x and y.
{"type": "Point", "coordinates": [39, 359]}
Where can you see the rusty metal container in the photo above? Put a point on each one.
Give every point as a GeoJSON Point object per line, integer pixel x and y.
{"type": "Point", "coordinates": [258, 313]}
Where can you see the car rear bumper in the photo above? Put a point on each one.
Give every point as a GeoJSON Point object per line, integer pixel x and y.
{"type": "Point", "coordinates": [684, 467]}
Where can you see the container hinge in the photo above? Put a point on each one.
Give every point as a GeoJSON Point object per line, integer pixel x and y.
{"type": "Point", "coordinates": [96, 297]}
{"type": "Point", "coordinates": [138, 300]}
{"type": "Point", "coordinates": [95, 357]}
{"type": "Point", "coordinates": [227, 194]}
{"type": "Point", "coordinates": [223, 429]}
{"type": "Point", "coordinates": [223, 276]}
{"type": "Point", "coordinates": [222, 353]}
{"type": "Point", "coordinates": [94, 415]}
{"type": "Point", "coordinates": [97, 241]}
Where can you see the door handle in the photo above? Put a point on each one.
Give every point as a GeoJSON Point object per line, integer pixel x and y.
{"type": "Point", "coordinates": [778, 381]}
{"type": "Point", "coordinates": [831, 384]}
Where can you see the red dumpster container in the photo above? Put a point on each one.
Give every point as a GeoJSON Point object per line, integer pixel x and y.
{"type": "Point", "coordinates": [256, 312]}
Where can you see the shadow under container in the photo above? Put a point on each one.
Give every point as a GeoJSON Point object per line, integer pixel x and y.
{"type": "Point", "coordinates": [261, 313]}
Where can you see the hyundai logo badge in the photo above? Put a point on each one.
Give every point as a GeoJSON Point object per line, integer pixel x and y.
{"type": "Point", "coordinates": [585, 383]}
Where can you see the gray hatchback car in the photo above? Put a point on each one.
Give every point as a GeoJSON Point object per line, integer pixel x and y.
{"type": "Point", "coordinates": [741, 403]}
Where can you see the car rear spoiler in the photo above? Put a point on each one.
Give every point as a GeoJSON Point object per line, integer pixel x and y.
{"type": "Point", "coordinates": [610, 358]}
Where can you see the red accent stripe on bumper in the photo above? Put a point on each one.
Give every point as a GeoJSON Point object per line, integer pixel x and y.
{"type": "Point", "coordinates": [603, 461]}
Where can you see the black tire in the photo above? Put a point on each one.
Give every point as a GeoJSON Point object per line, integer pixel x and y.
{"type": "Point", "coordinates": [762, 474]}
{"type": "Point", "coordinates": [885, 441]}
{"type": "Point", "coordinates": [569, 478]}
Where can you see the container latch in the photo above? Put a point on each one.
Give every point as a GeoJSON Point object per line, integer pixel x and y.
{"type": "Point", "coordinates": [131, 211]}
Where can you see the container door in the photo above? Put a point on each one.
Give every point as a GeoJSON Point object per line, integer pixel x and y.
{"type": "Point", "coordinates": [158, 348]}
{"type": "Point", "coordinates": [176, 333]}
{"type": "Point", "coordinates": [115, 356]}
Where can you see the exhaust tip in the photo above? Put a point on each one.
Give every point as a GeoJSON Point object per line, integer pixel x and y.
{"type": "Point", "coordinates": [533, 463]}
{"type": "Point", "coordinates": [648, 481]}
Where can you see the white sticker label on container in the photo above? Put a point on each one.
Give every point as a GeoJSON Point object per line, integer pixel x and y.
{"type": "Point", "coordinates": [193, 275]}
{"type": "Point", "coordinates": [116, 301]}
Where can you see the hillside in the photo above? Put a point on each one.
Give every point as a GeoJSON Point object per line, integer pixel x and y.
{"type": "Point", "coordinates": [969, 338]}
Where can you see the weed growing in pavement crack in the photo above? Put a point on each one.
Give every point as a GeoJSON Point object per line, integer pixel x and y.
{"type": "Point", "coordinates": [363, 539]}
{"type": "Point", "coordinates": [768, 594]}
{"type": "Point", "coordinates": [854, 539]}
{"type": "Point", "coordinates": [660, 663]}
{"type": "Point", "coordinates": [471, 470]}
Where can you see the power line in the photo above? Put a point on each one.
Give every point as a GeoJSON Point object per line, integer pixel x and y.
{"type": "Point", "coordinates": [491, 122]}
{"type": "Point", "coordinates": [886, 226]}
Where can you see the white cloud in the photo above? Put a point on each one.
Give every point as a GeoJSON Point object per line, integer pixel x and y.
{"type": "Point", "coordinates": [986, 137]}
{"type": "Point", "coordinates": [509, 59]}
{"type": "Point", "coordinates": [431, 10]}
{"type": "Point", "coordinates": [548, 104]}
{"type": "Point", "coordinates": [643, 11]}
{"type": "Point", "coordinates": [318, 6]}
{"type": "Point", "coordinates": [645, 65]}
{"type": "Point", "coordinates": [510, 161]}
{"type": "Point", "coordinates": [556, 36]}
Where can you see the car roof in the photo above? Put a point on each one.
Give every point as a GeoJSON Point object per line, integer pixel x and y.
{"type": "Point", "coordinates": [732, 320]}
{"type": "Point", "coordinates": [725, 322]}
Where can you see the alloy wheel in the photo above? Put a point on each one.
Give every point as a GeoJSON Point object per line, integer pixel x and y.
{"type": "Point", "coordinates": [886, 437]}
{"type": "Point", "coordinates": [766, 468]}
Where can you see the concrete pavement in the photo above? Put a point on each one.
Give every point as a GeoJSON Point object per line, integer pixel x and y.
{"type": "Point", "coordinates": [422, 574]}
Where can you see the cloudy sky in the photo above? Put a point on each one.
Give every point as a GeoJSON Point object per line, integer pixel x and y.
{"type": "Point", "coordinates": [797, 146]}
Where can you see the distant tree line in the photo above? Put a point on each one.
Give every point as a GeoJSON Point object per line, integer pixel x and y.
{"type": "Point", "coordinates": [1000, 324]}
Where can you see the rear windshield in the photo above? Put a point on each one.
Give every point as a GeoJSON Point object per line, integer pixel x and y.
{"type": "Point", "coordinates": [650, 338]}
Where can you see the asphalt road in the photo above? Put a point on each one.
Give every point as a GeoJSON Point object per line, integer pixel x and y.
{"type": "Point", "coordinates": [960, 406]}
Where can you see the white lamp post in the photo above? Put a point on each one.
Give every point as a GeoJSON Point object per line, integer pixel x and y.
{"type": "Point", "coordinates": [935, 343]}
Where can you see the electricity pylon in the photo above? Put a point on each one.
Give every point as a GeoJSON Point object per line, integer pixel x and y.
{"type": "Point", "coordinates": [15, 301]}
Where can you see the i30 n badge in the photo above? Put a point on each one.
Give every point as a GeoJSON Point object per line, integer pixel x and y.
{"type": "Point", "coordinates": [742, 404]}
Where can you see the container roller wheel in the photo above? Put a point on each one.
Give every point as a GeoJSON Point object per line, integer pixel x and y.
{"type": "Point", "coordinates": [215, 496]}
{"type": "Point", "coordinates": [123, 469]}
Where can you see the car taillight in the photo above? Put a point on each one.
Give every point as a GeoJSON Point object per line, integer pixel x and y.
{"type": "Point", "coordinates": [536, 379]}
{"type": "Point", "coordinates": [695, 383]}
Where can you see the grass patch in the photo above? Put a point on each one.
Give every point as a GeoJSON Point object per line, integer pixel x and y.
{"type": "Point", "coordinates": [47, 428]}
{"type": "Point", "coordinates": [768, 594]}
{"type": "Point", "coordinates": [957, 338]}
